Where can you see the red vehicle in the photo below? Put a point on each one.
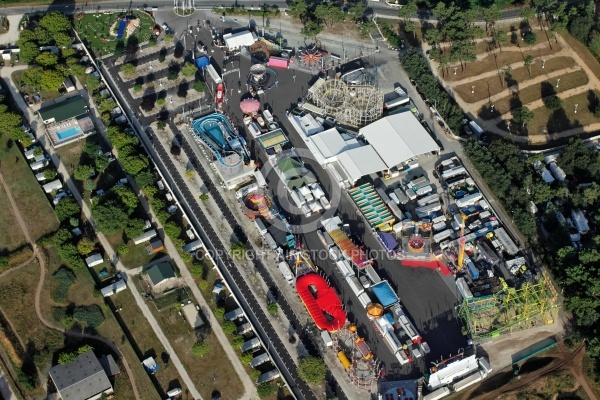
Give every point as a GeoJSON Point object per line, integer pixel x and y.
{"type": "Point", "coordinates": [220, 93]}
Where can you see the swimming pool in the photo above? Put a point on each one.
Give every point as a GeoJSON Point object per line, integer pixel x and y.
{"type": "Point", "coordinates": [67, 133]}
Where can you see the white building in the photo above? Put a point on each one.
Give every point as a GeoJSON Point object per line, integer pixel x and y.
{"type": "Point", "coordinates": [235, 41]}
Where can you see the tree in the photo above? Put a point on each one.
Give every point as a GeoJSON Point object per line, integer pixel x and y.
{"type": "Point", "coordinates": [357, 11]}
{"type": "Point", "coordinates": [51, 79]}
{"type": "Point", "coordinates": [199, 86]}
{"type": "Point", "coordinates": [138, 87]}
{"type": "Point", "coordinates": [106, 105]}
{"type": "Point", "coordinates": [171, 229]}
{"type": "Point", "coordinates": [123, 249]}
{"type": "Point", "coordinates": [527, 14]}
{"type": "Point", "coordinates": [161, 125]}
{"type": "Point", "coordinates": [55, 22]}
{"type": "Point", "coordinates": [522, 115]}
{"type": "Point", "coordinates": [203, 197]}
{"type": "Point", "coordinates": [85, 246]}
{"type": "Point", "coordinates": [407, 10]}
{"type": "Point", "coordinates": [580, 26]}
{"type": "Point", "coordinates": [553, 102]}
{"type": "Point", "coordinates": [312, 370]}
{"type": "Point", "coordinates": [92, 83]}
{"type": "Point", "coordinates": [500, 38]}
{"type": "Point", "coordinates": [266, 389]}
{"type": "Point", "coordinates": [62, 41]}
{"type": "Point", "coordinates": [200, 349]}
{"type": "Point", "coordinates": [128, 69]}
{"type": "Point", "coordinates": [102, 162]}
{"type": "Point", "coordinates": [67, 208]}
{"type": "Point", "coordinates": [190, 173]}
{"type": "Point", "coordinates": [172, 75]}
{"type": "Point", "coordinates": [46, 59]}
{"type": "Point", "coordinates": [299, 9]}
{"type": "Point", "coordinates": [91, 149]}
{"type": "Point", "coordinates": [246, 358]}
{"type": "Point", "coordinates": [49, 174]}
{"type": "Point", "coordinates": [120, 139]}
{"type": "Point", "coordinates": [311, 29]}
{"type": "Point", "coordinates": [237, 250]}
{"type": "Point", "coordinates": [491, 14]}
{"type": "Point", "coordinates": [89, 185]}
{"type": "Point", "coordinates": [237, 341]}
{"type": "Point", "coordinates": [110, 216]}
{"type": "Point", "coordinates": [134, 228]}
{"type": "Point", "coordinates": [10, 122]}
{"type": "Point", "coordinates": [144, 179]}
{"type": "Point", "coordinates": [134, 164]}
{"type": "Point", "coordinates": [29, 51]}
{"type": "Point", "coordinates": [530, 38]}
{"type": "Point", "coordinates": [83, 172]}
{"type": "Point", "coordinates": [329, 13]}
{"type": "Point", "coordinates": [126, 196]}
{"type": "Point", "coordinates": [188, 69]}
{"type": "Point", "coordinates": [528, 62]}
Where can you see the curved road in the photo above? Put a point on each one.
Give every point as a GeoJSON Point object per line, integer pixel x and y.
{"type": "Point", "coordinates": [41, 260]}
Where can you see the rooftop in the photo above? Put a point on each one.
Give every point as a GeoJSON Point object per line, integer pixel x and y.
{"type": "Point", "coordinates": [57, 111]}
{"type": "Point", "coordinates": [161, 272]}
{"type": "Point", "coordinates": [81, 378]}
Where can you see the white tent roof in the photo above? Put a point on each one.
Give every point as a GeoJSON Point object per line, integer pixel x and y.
{"type": "Point", "coordinates": [359, 162]}
{"type": "Point", "coordinates": [398, 138]}
{"type": "Point", "coordinates": [240, 39]}
{"type": "Point", "coordinates": [329, 143]}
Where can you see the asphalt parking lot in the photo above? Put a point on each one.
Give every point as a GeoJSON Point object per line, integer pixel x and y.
{"type": "Point", "coordinates": [427, 297]}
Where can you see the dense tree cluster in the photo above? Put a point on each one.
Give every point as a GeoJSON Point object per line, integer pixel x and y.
{"type": "Point", "coordinates": [312, 15]}
{"type": "Point", "coordinates": [48, 68]}
{"type": "Point", "coordinates": [417, 67]}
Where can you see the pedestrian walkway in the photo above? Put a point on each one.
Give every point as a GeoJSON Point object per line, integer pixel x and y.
{"type": "Point", "coordinates": [11, 37]}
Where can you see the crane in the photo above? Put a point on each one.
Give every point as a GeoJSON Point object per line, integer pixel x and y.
{"type": "Point", "coordinates": [462, 242]}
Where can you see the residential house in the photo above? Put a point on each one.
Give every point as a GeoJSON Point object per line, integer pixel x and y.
{"type": "Point", "coordinates": [81, 379]}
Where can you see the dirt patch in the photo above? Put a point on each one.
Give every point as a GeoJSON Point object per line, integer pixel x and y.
{"type": "Point", "coordinates": [491, 86]}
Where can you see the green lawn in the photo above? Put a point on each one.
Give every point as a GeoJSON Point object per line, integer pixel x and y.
{"type": "Point", "coordinates": [11, 238]}
{"type": "Point", "coordinates": [94, 30]}
{"type": "Point", "coordinates": [137, 255]}
{"type": "Point", "coordinates": [46, 94]}
{"type": "Point", "coordinates": [32, 202]}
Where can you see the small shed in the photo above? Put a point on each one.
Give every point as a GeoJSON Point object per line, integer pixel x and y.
{"type": "Point", "coordinates": [144, 237]}
{"type": "Point", "coordinates": [69, 85]}
{"type": "Point", "coordinates": [192, 315]}
{"type": "Point", "coordinates": [94, 259]}
{"type": "Point", "coordinates": [155, 246]}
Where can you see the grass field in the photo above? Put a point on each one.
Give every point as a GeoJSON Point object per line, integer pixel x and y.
{"type": "Point", "coordinates": [136, 256]}
{"type": "Point", "coordinates": [487, 87]}
{"type": "Point", "coordinates": [565, 118]}
{"type": "Point", "coordinates": [207, 374]}
{"type": "Point", "coordinates": [81, 293]}
{"type": "Point", "coordinates": [94, 29]}
{"type": "Point", "coordinates": [497, 61]}
{"type": "Point", "coordinates": [146, 341]}
{"type": "Point", "coordinates": [10, 238]}
{"type": "Point", "coordinates": [532, 93]}
{"type": "Point", "coordinates": [583, 52]}
{"type": "Point", "coordinates": [31, 199]}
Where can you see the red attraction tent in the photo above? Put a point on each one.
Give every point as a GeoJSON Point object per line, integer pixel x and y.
{"type": "Point", "coordinates": [322, 302]}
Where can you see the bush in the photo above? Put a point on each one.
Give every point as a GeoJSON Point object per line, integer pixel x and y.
{"type": "Point", "coordinates": [199, 86]}
{"type": "Point", "coordinates": [64, 278]}
{"type": "Point", "coordinates": [70, 255]}
{"type": "Point", "coordinates": [173, 75]}
{"type": "Point", "coordinates": [123, 249]}
{"type": "Point", "coordinates": [160, 102]}
{"type": "Point", "coordinates": [312, 370]}
{"type": "Point", "coordinates": [219, 312]}
{"type": "Point", "coordinates": [200, 349]}
{"type": "Point", "coordinates": [188, 69]}
{"type": "Point", "coordinates": [553, 102]}
{"type": "Point", "coordinates": [229, 327]}
{"type": "Point", "coordinates": [134, 228]}
{"type": "Point", "coordinates": [246, 358]}
{"type": "Point", "coordinates": [266, 389]}
{"type": "Point", "coordinates": [237, 341]}
{"type": "Point", "coordinates": [530, 38]}
{"type": "Point", "coordinates": [85, 246]}
{"type": "Point", "coordinates": [272, 308]}
{"type": "Point", "coordinates": [172, 230]}
{"type": "Point", "coordinates": [186, 256]}
{"type": "Point", "coordinates": [128, 69]}
{"type": "Point", "coordinates": [91, 316]}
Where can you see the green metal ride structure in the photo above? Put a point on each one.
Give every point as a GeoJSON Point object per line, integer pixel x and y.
{"type": "Point", "coordinates": [510, 309]}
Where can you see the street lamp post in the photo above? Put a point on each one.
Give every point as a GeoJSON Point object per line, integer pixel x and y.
{"type": "Point", "coordinates": [472, 89]}
{"type": "Point", "coordinates": [492, 108]}
{"type": "Point", "coordinates": [576, 108]}
{"type": "Point", "coordinates": [557, 82]}
{"type": "Point", "coordinates": [455, 68]}
{"type": "Point", "coordinates": [543, 63]}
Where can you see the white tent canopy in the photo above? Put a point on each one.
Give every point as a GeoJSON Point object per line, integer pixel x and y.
{"type": "Point", "coordinates": [359, 162]}
{"type": "Point", "coordinates": [241, 39]}
{"type": "Point", "coordinates": [398, 138]}
{"type": "Point", "coordinates": [329, 143]}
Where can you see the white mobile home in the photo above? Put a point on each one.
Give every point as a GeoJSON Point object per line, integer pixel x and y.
{"type": "Point", "coordinates": [146, 236]}
{"type": "Point", "coordinates": [94, 259]}
{"type": "Point", "coordinates": [52, 186]}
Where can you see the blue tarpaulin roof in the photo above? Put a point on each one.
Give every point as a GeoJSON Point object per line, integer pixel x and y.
{"type": "Point", "coordinates": [384, 293]}
{"type": "Point", "coordinates": [202, 62]}
{"type": "Point", "coordinates": [388, 240]}
{"type": "Point", "coordinates": [389, 317]}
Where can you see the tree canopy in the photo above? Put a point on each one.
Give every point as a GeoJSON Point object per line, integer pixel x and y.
{"type": "Point", "coordinates": [312, 369]}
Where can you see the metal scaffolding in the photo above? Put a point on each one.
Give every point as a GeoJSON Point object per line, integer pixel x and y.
{"type": "Point", "coordinates": [363, 371]}
{"type": "Point", "coordinates": [510, 309]}
{"type": "Point", "coordinates": [353, 105]}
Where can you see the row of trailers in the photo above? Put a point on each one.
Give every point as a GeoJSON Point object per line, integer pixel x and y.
{"type": "Point", "coordinates": [379, 301]}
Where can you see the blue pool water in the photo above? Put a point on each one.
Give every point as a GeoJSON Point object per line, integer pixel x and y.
{"type": "Point", "coordinates": [67, 133]}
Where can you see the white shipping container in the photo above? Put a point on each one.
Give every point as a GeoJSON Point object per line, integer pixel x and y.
{"type": "Point", "coordinates": [428, 200]}
{"type": "Point", "coordinates": [355, 285]}
{"type": "Point", "coordinates": [364, 299]}
{"type": "Point", "coordinates": [439, 226]}
{"type": "Point", "coordinates": [270, 241]}
{"type": "Point", "coordinates": [438, 237]}
{"type": "Point", "coordinates": [424, 190]}
{"type": "Point", "coordinates": [344, 268]}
